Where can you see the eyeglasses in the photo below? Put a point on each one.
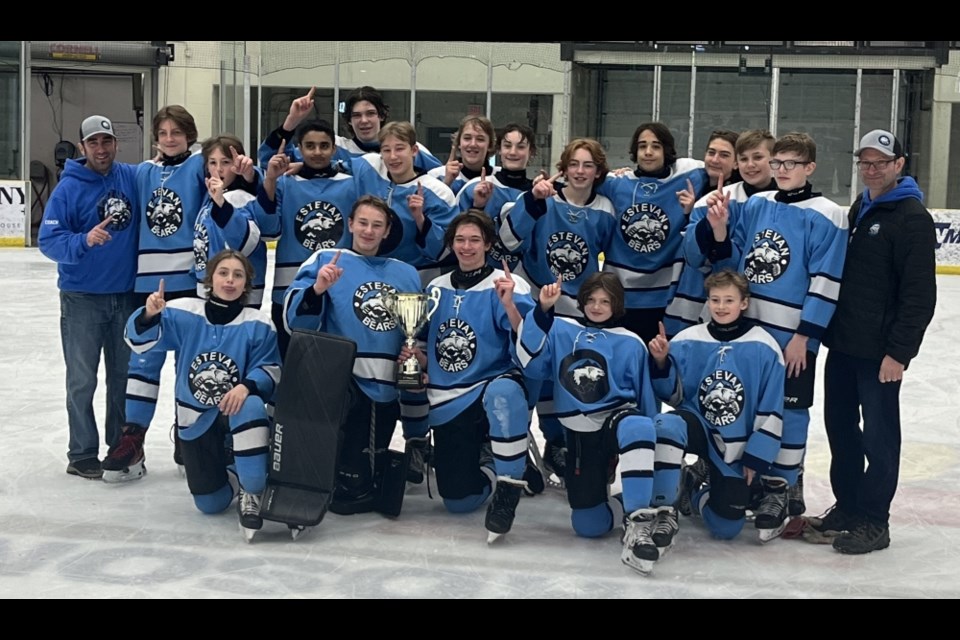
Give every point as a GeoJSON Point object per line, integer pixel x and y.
{"type": "Point", "coordinates": [789, 165]}
{"type": "Point", "coordinates": [863, 165]}
{"type": "Point", "coordinates": [573, 165]}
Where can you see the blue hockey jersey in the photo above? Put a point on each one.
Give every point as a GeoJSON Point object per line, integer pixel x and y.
{"type": "Point", "coordinates": [307, 215]}
{"type": "Point", "coordinates": [170, 198]}
{"type": "Point", "coordinates": [688, 305]}
{"type": "Point", "coordinates": [735, 387]}
{"type": "Point", "coordinates": [469, 343]}
{"type": "Point", "coordinates": [419, 248]}
{"type": "Point", "coordinates": [595, 371]}
{"type": "Point", "coordinates": [792, 255]}
{"type": "Point", "coordinates": [645, 254]}
{"type": "Point", "coordinates": [230, 227]}
{"type": "Point", "coordinates": [211, 359]}
{"type": "Point", "coordinates": [559, 239]}
{"type": "Point", "coordinates": [353, 308]}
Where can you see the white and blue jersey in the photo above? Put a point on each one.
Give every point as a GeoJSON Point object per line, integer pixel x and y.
{"type": "Point", "coordinates": [792, 256]}
{"type": "Point", "coordinates": [735, 388]}
{"type": "Point", "coordinates": [507, 187]}
{"type": "Point", "coordinates": [558, 239]}
{"type": "Point", "coordinates": [347, 150]}
{"type": "Point", "coordinates": [353, 308]}
{"type": "Point", "coordinates": [308, 214]}
{"type": "Point", "coordinates": [212, 359]}
{"type": "Point", "coordinates": [645, 253]}
{"type": "Point", "coordinates": [469, 343]}
{"type": "Point", "coordinates": [595, 371]}
{"type": "Point", "coordinates": [419, 248]}
{"type": "Point", "coordinates": [170, 198]}
{"type": "Point", "coordinates": [688, 305]}
{"type": "Point", "coordinates": [231, 226]}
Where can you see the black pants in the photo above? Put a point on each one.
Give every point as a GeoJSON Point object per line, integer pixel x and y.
{"type": "Point", "coordinates": [729, 495]}
{"type": "Point", "coordinates": [851, 386]}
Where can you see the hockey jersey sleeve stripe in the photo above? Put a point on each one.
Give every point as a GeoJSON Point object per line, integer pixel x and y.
{"type": "Point", "coordinates": [375, 369]}
{"type": "Point", "coordinates": [775, 313]}
{"type": "Point", "coordinates": [636, 280]}
{"type": "Point", "coordinates": [142, 389]}
{"type": "Point", "coordinates": [824, 287]}
{"type": "Point", "coordinates": [789, 458]}
{"type": "Point", "coordinates": [162, 263]}
{"type": "Point", "coordinates": [187, 416]}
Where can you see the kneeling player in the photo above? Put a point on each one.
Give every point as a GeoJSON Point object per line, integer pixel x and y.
{"type": "Point", "coordinates": [478, 404]}
{"type": "Point", "coordinates": [227, 366]}
{"type": "Point", "coordinates": [726, 380]}
{"type": "Point", "coordinates": [604, 398]}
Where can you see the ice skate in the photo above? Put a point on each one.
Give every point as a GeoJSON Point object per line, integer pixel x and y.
{"type": "Point", "coordinates": [555, 465]}
{"type": "Point", "coordinates": [665, 528]}
{"type": "Point", "coordinates": [795, 502]}
{"type": "Point", "coordinates": [248, 509]}
{"type": "Point", "coordinates": [297, 530]}
{"type": "Point", "coordinates": [126, 461]}
{"type": "Point", "coordinates": [177, 455]}
{"type": "Point", "coordinates": [640, 552]}
{"type": "Point", "coordinates": [771, 517]}
{"type": "Point", "coordinates": [692, 477]}
{"type": "Point", "coordinates": [503, 507]}
{"type": "Point", "coordinates": [533, 472]}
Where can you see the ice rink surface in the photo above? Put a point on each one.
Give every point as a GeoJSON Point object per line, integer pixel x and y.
{"type": "Point", "coordinates": [66, 537]}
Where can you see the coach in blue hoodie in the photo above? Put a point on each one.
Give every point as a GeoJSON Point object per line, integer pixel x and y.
{"type": "Point", "coordinates": [887, 296]}
{"type": "Point", "coordinates": [90, 230]}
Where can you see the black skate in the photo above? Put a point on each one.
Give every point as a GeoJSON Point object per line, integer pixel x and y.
{"type": "Point", "coordinates": [771, 517]}
{"type": "Point", "coordinates": [125, 461]}
{"type": "Point", "coordinates": [503, 507]}
{"type": "Point", "coordinates": [640, 552]}
{"type": "Point", "coordinates": [248, 509]}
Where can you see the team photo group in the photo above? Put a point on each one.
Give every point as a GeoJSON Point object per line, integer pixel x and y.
{"type": "Point", "coordinates": [657, 326]}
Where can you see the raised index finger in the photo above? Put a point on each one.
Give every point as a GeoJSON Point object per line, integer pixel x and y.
{"type": "Point", "coordinates": [160, 288]}
{"type": "Point", "coordinates": [233, 153]}
{"type": "Point", "coordinates": [483, 173]}
{"type": "Point", "coordinates": [336, 257]}
{"type": "Point", "coordinates": [720, 183]}
{"type": "Point", "coordinates": [663, 331]}
{"type": "Point", "coordinates": [310, 93]}
{"type": "Point", "coordinates": [506, 269]}
{"type": "Point", "coordinates": [690, 186]}
{"type": "Point", "coordinates": [104, 223]}
{"type": "Point", "coordinates": [554, 177]}
{"type": "Point", "coordinates": [420, 189]}
{"type": "Point", "coordinates": [283, 145]}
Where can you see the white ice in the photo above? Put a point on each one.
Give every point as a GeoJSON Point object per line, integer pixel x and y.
{"type": "Point", "coordinates": [66, 537]}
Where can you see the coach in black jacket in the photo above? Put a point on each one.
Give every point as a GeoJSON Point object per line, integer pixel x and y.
{"type": "Point", "coordinates": [887, 296]}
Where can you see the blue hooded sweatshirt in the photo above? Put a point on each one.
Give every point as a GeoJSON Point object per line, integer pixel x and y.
{"type": "Point", "coordinates": [906, 187]}
{"type": "Point", "coordinates": [81, 200]}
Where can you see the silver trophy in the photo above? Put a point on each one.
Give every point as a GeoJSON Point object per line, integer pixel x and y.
{"type": "Point", "coordinates": [411, 311]}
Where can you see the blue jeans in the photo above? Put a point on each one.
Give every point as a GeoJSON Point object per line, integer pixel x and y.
{"type": "Point", "coordinates": [91, 323]}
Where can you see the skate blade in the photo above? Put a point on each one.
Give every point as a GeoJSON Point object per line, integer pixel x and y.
{"type": "Point", "coordinates": [663, 550]}
{"type": "Point", "coordinates": [643, 567]}
{"type": "Point", "coordinates": [248, 533]}
{"type": "Point", "coordinates": [296, 531]}
{"type": "Point", "coordinates": [493, 537]}
{"type": "Point", "coordinates": [181, 471]}
{"type": "Point", "coordinates": [134, 472]}
{"type": "Point", "coordinates": [766, 535]}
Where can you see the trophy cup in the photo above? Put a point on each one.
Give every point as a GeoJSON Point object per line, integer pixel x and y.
{"type": "Point", "coordinates": [411, 311]}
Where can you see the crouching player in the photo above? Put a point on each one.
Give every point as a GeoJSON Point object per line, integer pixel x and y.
{"type": "Point", "coordinates": [227, 367]}
{"type": "Point", "coordinates": [725, 379]}
{"type": "Point", "coordinates": [605, 400]}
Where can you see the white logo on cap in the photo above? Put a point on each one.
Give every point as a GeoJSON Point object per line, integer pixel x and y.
{"type": "Point", "coordinates": [105, 124]}
{"type": "Point", "coordinates": [884, 140]}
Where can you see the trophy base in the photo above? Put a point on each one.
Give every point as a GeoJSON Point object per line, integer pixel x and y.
{"type": "Point", "coordinates": [409, 382]}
